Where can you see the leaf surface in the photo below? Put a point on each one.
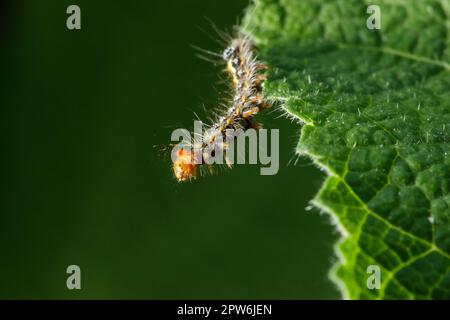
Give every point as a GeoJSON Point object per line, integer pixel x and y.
{"type": "Point", "coordinates": [375, 109]}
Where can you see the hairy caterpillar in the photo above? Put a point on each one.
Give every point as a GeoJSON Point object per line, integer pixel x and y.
{"type": "Point", "coordinates": [248, 100]}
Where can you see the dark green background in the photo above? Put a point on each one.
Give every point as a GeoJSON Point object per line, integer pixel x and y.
{"type": "Point", "coordinates": [82, 183]}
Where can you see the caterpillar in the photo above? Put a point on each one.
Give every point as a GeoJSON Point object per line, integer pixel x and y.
{"type": "Point", "coordinates": [245, 71]}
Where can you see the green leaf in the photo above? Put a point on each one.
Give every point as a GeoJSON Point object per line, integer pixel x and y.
{"type": "Point", "coordinates": [375, 109]}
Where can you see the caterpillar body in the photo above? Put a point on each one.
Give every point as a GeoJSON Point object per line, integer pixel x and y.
{"type": "Point", "coordinates": [245, 71]}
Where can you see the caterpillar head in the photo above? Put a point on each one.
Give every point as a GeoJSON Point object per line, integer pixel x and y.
{"type": "Point", "coordinates": [229, 53]}
{"type": "Point", "coordinates": [184, 167]}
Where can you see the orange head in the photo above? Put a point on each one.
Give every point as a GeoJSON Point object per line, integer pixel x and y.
{"type": "Point", "coordinates": [184, 167]}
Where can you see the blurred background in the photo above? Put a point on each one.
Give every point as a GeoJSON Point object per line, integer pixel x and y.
{"type": "Point", "coordinates": [81, 182]}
